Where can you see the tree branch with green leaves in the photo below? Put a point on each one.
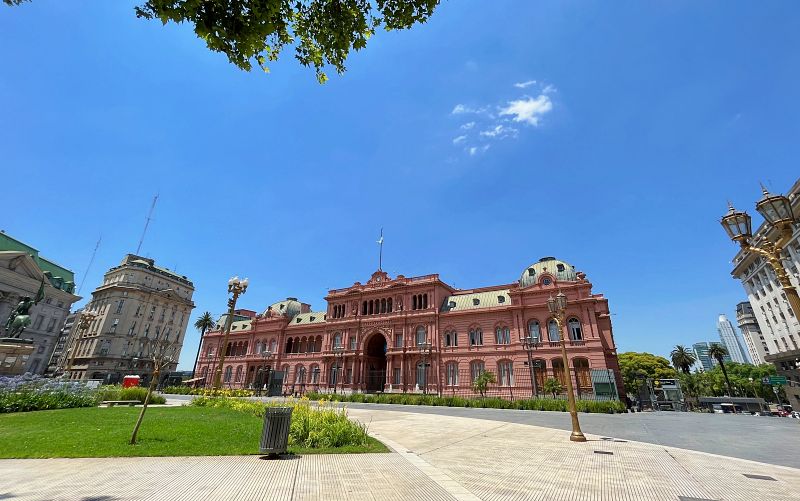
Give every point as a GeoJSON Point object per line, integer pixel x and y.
{"type": "Point", "coordinates": [322, 32]}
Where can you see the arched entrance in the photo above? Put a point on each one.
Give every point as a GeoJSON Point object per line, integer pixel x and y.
{"type": "Point", "coordinates": [375, 362]}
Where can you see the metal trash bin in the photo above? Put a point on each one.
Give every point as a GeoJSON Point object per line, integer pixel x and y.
{"type": "Point", "coordinates": [275, 435]}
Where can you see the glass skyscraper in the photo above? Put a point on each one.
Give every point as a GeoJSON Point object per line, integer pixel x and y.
{"type": "Point", "coordinates": [731, 341]}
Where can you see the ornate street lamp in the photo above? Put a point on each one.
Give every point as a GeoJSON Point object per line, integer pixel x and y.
{"type": "Point", "coordinates": [235, 287]}
{"type": "Point", "coordinates": [529, 343]}
{"type": "Point", "coordinates": [778, 214]}
{"type": "Point", "coordinates": [558, 307]}
{"type": "Point", "coordinates": [338, 360]}
{"type": "Point", "coordinates": [425, 352]}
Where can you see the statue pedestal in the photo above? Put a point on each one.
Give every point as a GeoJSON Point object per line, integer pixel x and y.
{"type": "Point", "coordinates": [14, 354]}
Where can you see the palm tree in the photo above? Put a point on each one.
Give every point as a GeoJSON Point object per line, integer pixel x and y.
{"type": "Point", "coordinates": [718, 352]}
{"type": "Point", "coordinates": [682, 358]}
{"type": "Point", "coordinates": [552, 385]}
{"type": "Point", "coordinates": [203, 323]}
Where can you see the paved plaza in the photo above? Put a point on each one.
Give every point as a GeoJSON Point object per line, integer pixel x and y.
{"type": "Point", "coordinates": [435, 457]}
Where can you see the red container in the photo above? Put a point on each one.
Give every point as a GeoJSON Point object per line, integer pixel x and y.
{"type": "Point", "coordinates": [129, 381]}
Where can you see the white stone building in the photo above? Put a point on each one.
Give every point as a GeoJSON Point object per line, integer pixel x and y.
{"type": "Point", "coordinates": [778, 324]}
{"type": "Point", "coordinates": [137, 301]}
{"type": "Point", "coordinates": [751, 333]}
{"type": "Point", "coordinates": [22, 271]}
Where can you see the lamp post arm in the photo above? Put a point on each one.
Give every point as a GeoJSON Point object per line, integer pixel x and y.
{"type": "Point", "coordinates": [772, 252]}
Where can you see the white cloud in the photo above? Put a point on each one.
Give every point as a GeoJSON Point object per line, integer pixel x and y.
{"type": "Point", "coordinates": [499, 131]}
{"type": "Point", "coordinates": [522, 85]}
{"type": "Point", "coordinates": [549, 89]}
{"type": "Point", "coordinates": [474, 150]}
{"type": "Point", "coordinates": [459, 139]}
{"type": "Point", "coordinates": [468, 126]}
{"type": "Point", "coordinates": [528, 109]}
{"type": "Point", "coordinates": [461, 109]}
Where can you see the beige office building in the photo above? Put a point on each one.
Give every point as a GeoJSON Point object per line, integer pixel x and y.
{"type": "Point", "coordinates": [137, 301]}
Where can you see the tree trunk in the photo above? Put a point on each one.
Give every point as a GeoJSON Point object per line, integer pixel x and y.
{"type": "Point", "coordinates": [197, 356]}
{"type": "Point", "coordinates": [725, 373]}
{"type": "Point", "coordinates": [150, 389]}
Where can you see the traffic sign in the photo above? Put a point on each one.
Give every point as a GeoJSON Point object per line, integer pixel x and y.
{"type": "Point", "coordinates": [777, 380]}
{"type": "Point", "coordinates": [765, 381]}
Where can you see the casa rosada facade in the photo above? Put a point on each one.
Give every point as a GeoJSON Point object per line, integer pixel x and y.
{"type": "Point", "coordinates": [419, 334]}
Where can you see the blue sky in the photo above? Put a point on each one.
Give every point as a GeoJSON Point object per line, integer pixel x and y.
{"type": "Point", "coordinates": [644, 118]}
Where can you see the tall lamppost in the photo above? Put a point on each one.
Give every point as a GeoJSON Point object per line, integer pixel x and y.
{"type": "Point", "coordinates": [777, 213]}
{"type": "Point", "coordinates": [235, 287]}
{"type": "Point", "coordinates": [338, 360]}
{"type": "Point", "coordinates": [558, 307]}
{"type": "Point", "coordinates": [425, 352]}
{"type": "Point", "coordinates": [529, 342]}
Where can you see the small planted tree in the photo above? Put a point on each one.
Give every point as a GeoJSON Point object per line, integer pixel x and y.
{"type": "Point", "coordinates": [161, 353]}
{"type": "Point", "coordinates": [483, 381]}
{"type": "Point", "coordinates": [552, 385]}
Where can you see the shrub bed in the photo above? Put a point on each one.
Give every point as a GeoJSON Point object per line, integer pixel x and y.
{"type": "Point", "coordinates": [321, 426]}
{"type": "Point", "coordinates": [116, 392]}
{"type": "Point", "coordinates": [185, 390]}
{"type": "Point", "coordinates": [534, 404]}
{"type": "Point", "coordinates": [32, 393]}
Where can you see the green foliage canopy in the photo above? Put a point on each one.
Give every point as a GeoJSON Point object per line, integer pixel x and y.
{"type": "Point", "coordinates": [323, 32]}
{"type": "Point", "coordinates": [651, 366]}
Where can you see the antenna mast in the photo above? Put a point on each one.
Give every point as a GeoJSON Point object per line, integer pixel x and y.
{"type": "Point", "coordinates": [147, 223]}
{"type": "Point", "coordinates": [94, 253]}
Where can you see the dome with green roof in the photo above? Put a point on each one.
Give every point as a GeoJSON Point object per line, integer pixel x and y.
{"type": "Point", "coordinates": [289, 307]}
{"type": "Point", "coordinates": [561, 270]}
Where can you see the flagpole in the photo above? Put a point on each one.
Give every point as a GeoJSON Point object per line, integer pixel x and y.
{"type": "Point", "coordinates": [380, 253]}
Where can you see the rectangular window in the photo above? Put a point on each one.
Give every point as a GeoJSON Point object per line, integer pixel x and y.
{"type": "Point", "coordinates": [114, 325]}
{"type": "Point", "coordinates": [475, 337]}
{"type": "Point", "coordinates": [452, 375]}
{"type": "Point", "coordinates": [119, 306]}
{"type": "Point", "coordinates": [51, 325]}
{"type": "Point", "coordinates": [38, 324]}
{"type": "Point", "coordinates": [396, 376]}
{"type": "Point", "coordinates": [398, 341]}
{"type": "Point", "coordinates": [133, 326]}
{"type": "Point", "coordinates": [476, 369]}
{"type": "Point", "coordinates": [152, 313]}
{"type": "Point", "coordinates": [506, 373]}
{"type": "Point", "coordinates": [352, 342]}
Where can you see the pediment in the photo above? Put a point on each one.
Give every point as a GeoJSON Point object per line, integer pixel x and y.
{"type": "Point", "coordinates": [21, 263]}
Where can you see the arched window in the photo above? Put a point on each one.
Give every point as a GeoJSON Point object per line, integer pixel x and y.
{"type": "Point", "coordinates": [228, 373]}
{"type": "Point", "coordinates": [273, 345]}
{"type": "Point", "coordinates": [204, 372]}
{"type": "Point", "coordinates": [450, 338]}
{"type": "Point", "coordinates": [582, 373]}
{"type": "Point", "coordinates": [574, 327]}
{"type": "Point", "coordinates": [424, 301]}
{"type": "Point", "coordinates": [300, 375]}
{"type": "Point", "coordinates": [476, 368]}
{"type": "Point", "coordinates": [315, 374]}
{"type": "Point", "coordinates": [246, 343]}
{"type": "Point", "coordinates": [421, 335]}
{"type": "Point", "coordinates": [452, 374]}
{"type": "Point", "coordinates": [289, 345]}
{"type": "Point", "coordinates": [259, 347]}
{"type": "Point", "coordinates": [502, 335]}
{"type": "Point", "coordinates": [414, 303]}
{"type": "Point", "coordinates": [505, 373]}
{"type": "Point", "coordinates": [383, 305]}
{"type": "Point", "coordinates": [475, 337]}
{"type": "Point", "coordinates": [552, 331]}
{"type": "Point", "coordinates": [238, 374]}
{"type": "Point", "coordinates": [337, 339]}
{"type": "Point", "coordinates": [389, 305]}
{"type": "Point", "coordinates": [364, 308]}
{"type": "Point", "coordinates": [534, 331]}
{"type": "Point", "coordinates": [318, 344]}
{"type": "Point", "coordinates": [228, 350]}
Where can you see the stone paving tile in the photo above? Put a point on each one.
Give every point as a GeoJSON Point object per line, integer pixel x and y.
{"type": "Point", "coordinates": [437, 458]}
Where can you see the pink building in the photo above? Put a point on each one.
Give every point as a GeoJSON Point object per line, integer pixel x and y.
{"type": "Point", "coordinates": [415, 334]}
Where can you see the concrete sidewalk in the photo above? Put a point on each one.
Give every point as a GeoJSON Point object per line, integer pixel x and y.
{"type": "Point", "coordinates": [437, 457]}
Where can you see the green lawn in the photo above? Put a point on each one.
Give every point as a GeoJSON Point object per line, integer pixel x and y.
{"type": "Point", "coordinates": [104, 432]}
